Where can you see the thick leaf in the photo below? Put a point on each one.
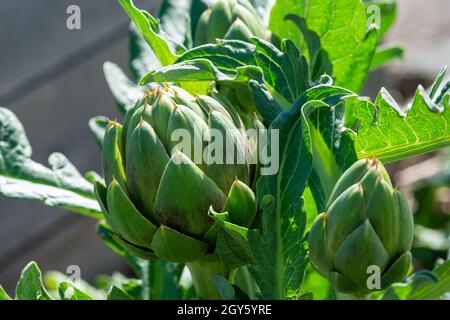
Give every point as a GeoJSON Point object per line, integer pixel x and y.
{"type": "Point", "coordinates": [117, 294]}
{"type": "Point", "coordinates": [164, 48]}
{"type": "Point", "coordinates": [279, 250]}
{"type": "Point", "coordinates": [30, 286]}
{"type": "Point", "coordinates": [422, 286]}
{"type": "Point", "coordinates": [391, 133]}
{"type": "Point", "coordinates": [68, 291]}
{"type": "Point", "coordinates": [124, 91]}
{"type": "Point", "coordinates": [61, 185]}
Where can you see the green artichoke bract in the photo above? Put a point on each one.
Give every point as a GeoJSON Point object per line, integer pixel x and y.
{"type": "Point", "coordinates": [231, 20]}
{"type": "Point", "coordinates": [157, 195]}
{"type": "Point", "coordinates": [367, 224]}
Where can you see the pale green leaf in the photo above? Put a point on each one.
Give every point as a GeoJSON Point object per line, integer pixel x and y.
{"type": "Point", "coordinates": [30, 286]}
{"type": "Point", "coordinates": [60, 185]}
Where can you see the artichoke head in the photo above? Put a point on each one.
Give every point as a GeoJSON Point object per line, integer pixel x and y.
{"type": "Point", "coordinates": [231, 20]}
{"type": "Point", "coordinates": [367, 224]}
{"type": "Point", "coordinates": [157, 195]}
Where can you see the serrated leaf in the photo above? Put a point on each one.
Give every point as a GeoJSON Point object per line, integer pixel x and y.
{"type": "Point", "coordinates": [68, 291]}
{"type": "Point", "coordinates": [30, 286]}
{"type": "Point", "coordinates": [279, 250]}
{"type": "Point", "coordinates": [384, 12]}
{"type": "Point", "coordinates": [60, 185]}
{"type": "Point", "coordinates": [391, 133]}
{"type": "Point", "coordinates": [164, 48]}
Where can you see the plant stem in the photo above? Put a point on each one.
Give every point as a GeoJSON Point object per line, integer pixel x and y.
{"type": "Point", "coordinates": [201, 271]}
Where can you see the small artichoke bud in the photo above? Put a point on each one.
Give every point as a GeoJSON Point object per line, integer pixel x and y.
{"type": "Point", "coordinates": [367, 224]}
{"type": "Point", "coordinates": [231, 20]}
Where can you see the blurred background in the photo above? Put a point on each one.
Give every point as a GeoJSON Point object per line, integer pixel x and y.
{"type": "Point", "coordinates": [52, 79]}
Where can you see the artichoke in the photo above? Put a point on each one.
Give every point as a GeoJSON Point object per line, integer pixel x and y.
{"type": "Point", "coordinates": [231, 20]}
{"type": "Point", "coordinates": [157, 196]}
{"type": "Point", "coordinates": [367, 223]}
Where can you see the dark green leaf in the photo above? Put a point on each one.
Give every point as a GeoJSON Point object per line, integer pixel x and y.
{"type": "Point", "coordinates": [279, 250]}
{"type": "Point", "coordinates": [225, 288]}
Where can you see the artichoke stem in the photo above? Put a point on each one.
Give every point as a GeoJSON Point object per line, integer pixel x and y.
{"type": "Point", "coordinates": [202, 271]}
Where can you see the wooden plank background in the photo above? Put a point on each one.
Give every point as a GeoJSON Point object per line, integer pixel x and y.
{"type": "Point", "coordinates": [52, 79]}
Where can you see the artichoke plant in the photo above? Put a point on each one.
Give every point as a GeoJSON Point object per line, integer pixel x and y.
{"type": "Point", "coordinates": [157, 196]}
{"type": "Point", "coordinates": [367, 223]}
{"type": "Point", "coordinates": [231, 20]}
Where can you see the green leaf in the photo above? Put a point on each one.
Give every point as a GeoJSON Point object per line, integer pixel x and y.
{"type": "Point", "coordinates": [285, 72]}
{"type": "Point", "coordinates": [385, 54]}
{"type": "Point", "coordinates": [341, 26]}
{"type": "Point", "coordinates": [164, 48]}
{"type": "Point", "coordinates": [98, 127]}
{"type": "Point", "coordinates": [391, 133]}
{"type": "Point", "coordinates": [176, 10]}
{"type": "Point", "coordinates": [279, 250]}
{"type": "Point", "coordinates": [142, 58]}
{"type": "Point", "coordinates": [68, 291]}
{"type": "Point", "coordinates": [224, 287]}
{"type": "Point", "coordinates": [30, 286]}
{"type": "Point", "coordinates": [61, 185]}
{"type": "Point", "coordinates": [118, 294]}
{"type": "Point", "coordinates": [124, 91]}
{"type": "Point", "coordinates": [421, 286]}
{"type": "Point", "coordinates": [4, 295]}
{"type": "Point", "coordinates": [285, 29]}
